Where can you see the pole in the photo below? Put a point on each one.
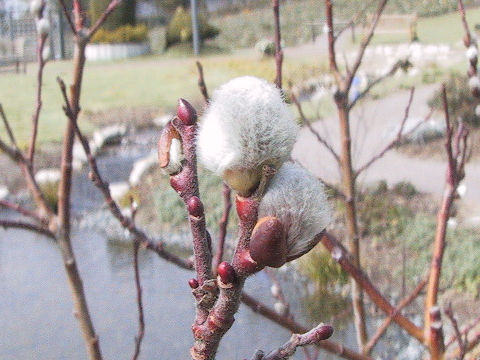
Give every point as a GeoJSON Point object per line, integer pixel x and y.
{"type": "Point", "coordinates": [195, 29]}
{"type": "Point", "coordinates": [61, 34]}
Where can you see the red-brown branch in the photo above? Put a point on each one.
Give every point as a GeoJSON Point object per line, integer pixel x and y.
{"type": "Point", "coordinates": [385, 325]}
{"type": "Point", "coordinates": [201, 82]}
{"type": "Point", "coordinates": [462, 346]}
{"type": "Point", "coordinates": [68, 16]}
{"type": "Point", "coordinates": [21, 210]}
{"type": "Point", "coordinates": [7, 127]}
{"type": "Point", "coordinates": [278, 43]}
{"type": "Point", "coordinates": [111, 6]}
{"type": "Point", "coordinates": [222, 226]}
{"type": "Point", "coordinates": [138, 286]}
{"type": "Point", "coordinates": [340, 254]}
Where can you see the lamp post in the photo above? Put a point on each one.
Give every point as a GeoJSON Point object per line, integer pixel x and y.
{"type": "Point", "coordinates": [195, 29]}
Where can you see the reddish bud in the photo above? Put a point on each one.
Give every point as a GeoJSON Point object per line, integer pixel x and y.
{"type": "Point", "coordinates": [195, 206]}
{"type": "Point", "coordinates": [166, 136]}
{"type": "Point", "coordinates": [226, 273]}
{"type": "Point", "coordinates": [179, 183]}
{"type": "Point", "coordinates": [466, 40]}
{"type": "Point", "coordinates": [193, 283]}
{"type": "Point", "coordinates": [324, 332]}
{"type": "Point", "coordinates": [268, 244]}
{"type": "Point", "coordinates": [246, 208]}
{"type": "Point", "coordinates": [186, 113]}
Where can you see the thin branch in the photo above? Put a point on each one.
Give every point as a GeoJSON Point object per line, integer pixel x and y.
{"type": "Point", "coordinates": [7, 127]}
{"type": "Point", "coordinates": [68, 16]}
{"type": "Point", "coordinates": [398, 138]}
{"type": "Point", "coordinates": [354, 19]}
{"type": "Point", "coordinates": [340, 254]}
{"type": "Point", "coordinates": [466, 28]}
{"type": "Point", "coordinates": [332, 56]}
{"type": "Point", "coordinates": [38, 107]}
{"type": "Point", "coordinates": [26, 226]}
{"type": "Point", "coordinates": [126, 223]}
{"type": "Point", "coordinates": [138, 286]}
{"type": "Point", "coordinates": [278, 43]}
{"type": "Point", "coordinates": [364, 44]}
{"type": "Point", "coordinates": [461, 344]}
{"type": "Point", "coordinates": [385, 325]}
{"type": "Point", "coordinates": [21, 210]}
{"type": "Point", "coordinates": [112, 6]}
{"type": "Point", "coordinates": [290, 324]}
{"type": "Point", "coordinates": [222, 226]}
{"type": "Point", "coordinates": [465, 331]}
{"type": "Point", "coordinates": [320, 139]}
{"type": "Point", "coordinates": [398, 65]}
{"type": "Point", "coordinates": [313, 337]}
{"type": "Point", "coordinates": [201, 82]}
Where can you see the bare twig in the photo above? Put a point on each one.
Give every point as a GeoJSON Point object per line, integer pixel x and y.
{"type": "Point", "coordinates": [201, 82]}
{"type": "Point", "coordinates": [21, 210]}
{"type": "Point", "coordinates": [332, 55]}
{"type": "Point", "coordinates": [7, 127]}
{"type": "Point", "coordinates": [340, 254]}
{"type": "Point", "coordinates": [382, 328]}
{"type": "Point", "coordinates": [222, 226]}
{"type": "Point", "coordinates": [320, 139]}
{"type": "Point", "coordinates": [313, 337]}
{"type": "Point", "coordinates": [138, 286]}
{"type": "Point", "coordinates": [278, 292]}
{"type": "Point", "coordinates": [461, 343]}
{"type": "Point", "coordinates": [14, 224]}
{"type": "Point", "coordinates": [111, 6]}
{"type": "Point", "coordinates": [465, 331]}
{"type": "Point", "coordinates": [398, 65]}
{"type": "Point", "coordinates": [364, 45]}
{"type": "Point", "coordinates": [68, 16]}
{"type": "Point", "coordinates": [278, 43]}
{"type": "Point", "coordinates": [290, 324]}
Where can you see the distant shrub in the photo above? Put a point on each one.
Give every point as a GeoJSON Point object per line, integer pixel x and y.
{"type": "Point", "coordinates": [123, 34]}
{"type": "Point", "coordinates": [180, 28]}
{"type": "Point", "coordinates": [123, 15]}
{"type": "Point", "coordinates": [461, 103]}
{"type": "Point", "coordinates": [265, 47]}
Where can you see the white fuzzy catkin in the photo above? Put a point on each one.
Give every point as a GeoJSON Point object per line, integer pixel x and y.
{"type": "Point", "coordinates": [43, 27]}
{"type": "Point", "coordinates": [298, 200]}
{"type": "Point", "coordinates": [246, 124]}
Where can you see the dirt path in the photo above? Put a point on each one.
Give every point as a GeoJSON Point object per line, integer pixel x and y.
{"type": "Point", "coordinates": [371, 123]}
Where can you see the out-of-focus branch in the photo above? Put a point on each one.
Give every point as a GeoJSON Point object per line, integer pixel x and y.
{"type": "Point", "coordinates": [201, 82]}
{"type": "Point", "coordinates": [126, 223]}
{"type": "Point", "coordinates": [290, 324]}
{"type": "Point", "coordinates": [278, 43]}
{"type": "Point", "coordinates": [14, 224]}
{"type": "Point", "coordinates": [454, 174]}
{"type": "Point", "coordinates": [398, 138]}
{"type": "Point", "coordinates": [385, 325]}
{"type": "Point", "coordinates": [68, 16]}
{"type": "Point", "coordinates": [462, 346]}
{"type": "Point", "coordinates": [398, 65]}
{"type": "Point", "coordinates": [332, 55]}
{"type": "Point", "coordinates": [313, 337]}
{"type": "Point", "coordinates": [466, 28]}
{"type": "Point", "coordinates": [465, 331]}
{"type": "Point", "coordinates": [277, 293]}
{"type": "Point", "coordinates": [222, 226]}
{"type": "Point", "coordinates": [7, 127]}
{"type": "Point", "coordinates": [111, 6]}
{"type": "Point", "coordinates": [354, 19]}
{"type": "Point", "coordinates": [364, 45]}
{"type": "Point", "coordinates": [340, 254]}
{"type": "Point", "coordinates": [138, 286]}
{"type": "Point", "coordinates": [21, 210]}
{"type": "Point", "coordinates": [320, 139]}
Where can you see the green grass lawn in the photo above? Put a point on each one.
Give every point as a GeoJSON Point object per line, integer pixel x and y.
{"type": "Point", "coordinates": [151, 81]}
{"type": "Point", "coordinates": [446, 29]}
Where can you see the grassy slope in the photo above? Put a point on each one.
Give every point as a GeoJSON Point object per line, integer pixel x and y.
{"type": "Point", "coordinates": [151, 81]}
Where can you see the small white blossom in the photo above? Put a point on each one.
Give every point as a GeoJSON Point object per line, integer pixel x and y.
{"type": "Point", "coordinates": [35, 7]}
{"type": "Point", "coordinates": [43, 27]}
{"type": "Point", "coordinates": [474, 83]}
{"type": "Point", "coordinates": [275, 290]}
{"type": "Point", "coordinates": [280, 308]}
{"type": "Point", "coordinates": [247, 124]}
{"type": "Point", "coordinates": [298, 200]}
{"type": "Point", "coordinates": [472, 52]}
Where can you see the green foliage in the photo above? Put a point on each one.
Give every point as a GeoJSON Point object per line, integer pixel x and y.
{"type": "Point", "coordinates": [460, 262]}
{"type": "Point", "coordinates": [461, 103]}
{"type": "Point", "coordinates": [172, 5]}
{"type": "Point", "coordinates": [122, 34]}
{"type": "Point", "coordinates": [123, 15]}
{"type": "Point", "coordinates": [180, 28]}
{"type": "Point", "coordinates": [50, 192]}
